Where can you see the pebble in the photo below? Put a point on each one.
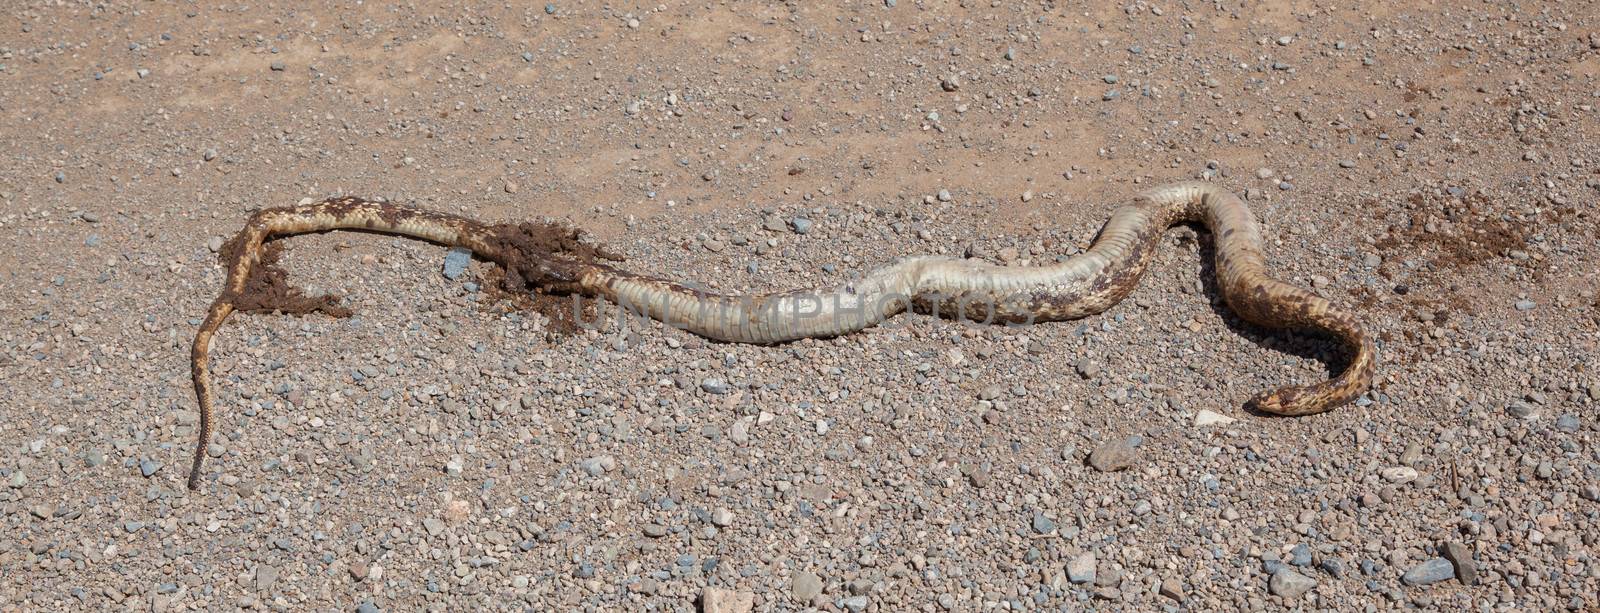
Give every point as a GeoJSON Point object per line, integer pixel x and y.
{"type": "Point", "coordinates": [148, 467]}
{"type": "Point", "coordinates": [1399, 474]}
{"type": "Point", "coordinates": [714, 385]}
{"type": "Point", "coordinates": [1290, 584]}
{"type": "Point", "coordinates": [455, 262]}
{"type": "Point", "coordinates": [279, 66]}
{"type": "Point", "coordinates": [1088, 369]}
{"type": "Point", "coordinates": [723, 600]}
{"type": "Point", "coordinates": [1115, 455]}
{"type": "Point", "coordinates": [1522, 410]}
{"type": "Point", "coordinates": [1172, 588]}
{"type": "Point", "coordinates": [1207, 417]}
{"type": "Point", "coordinates": [805, 586]}
{"type": "Point", "coordinates": [367, 606]}
{"type": "Point", "coordinates": [1525, 305]}
{"type": "Point", "coordinates": [1264, 173]}
{"type": "Point", "coordinates": [549, 9]}
{"type": "Point", "coordinates": [1429, 572]}
{"type": "Point", "coordinates": [944, 195]}
{"type": "Point", "coordinates": [1300, 555]}
{"type": "Point", "coordinates": [1042, 524]}
{"type": "Point", "coordinates": [856, 604]}
{"type": "Point", "coordinates": [1082, 568]}
{"type": "Point", "coordinates": [1466, 568]}
{"type": "Point", "coordinates": [801, 225]}
{"type": "Point", "coordinates": [1567, 423]}
{"type": "Point", "coordinates": [598, 465]}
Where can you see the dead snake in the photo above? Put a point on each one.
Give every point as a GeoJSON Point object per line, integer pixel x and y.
{"type": "Point", "coordinates": [1079, 286]}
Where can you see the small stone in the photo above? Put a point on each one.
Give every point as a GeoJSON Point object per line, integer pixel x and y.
{"type": "Point", "coordinates": [61, 177]}
{"type": "Point", "coordinates": [1042, 524]}
{"type": "Point", "coordinates": [723, 600]}
{"type": "Point", "coordinates": [1208, 417]}
{"type": "Point", "coordinates": [1172, 588]}
{"type": "Point", "coordinates": [722, 518]}
{"type": "Point", "coordinates": [454, 466]}
{"type": "Point", "coordinates": [511, 187]}
{"type": "Point", "coordinates": [1088, 369]}
{"type": "Point", "coordinates": [944, 195]}
{"type": "Point", "coordinates": [1115, 455]}
{"type": "Point", "coordinates": [266, 575]}
{"type": "Point", "coordinates": [209, 154]}
{"type": "Point", "coordinates": [279, 66]}
{"type": "Point", "coordinates": [1283, 41]}
{"type": "Point", "coordinates": [655, 531]}
{"type": "Point", "coordinates": [527, 56]}
{"type": "Point", "coordinates": [1347, 163]}
{"type": "Point", "coordinates": [801, 225]}
{"type": "Point", "coordinates": [367, 606]}
{"type": "Point", "coordinates": [1522, 410]}
{"type": "Point", "coordinates": [1264, 173]}
{"type": "Point", "coordinates": [805, 586]}
{"type": "Point", "coordinates": [950, 83]}
{"type": "Point", "coordinates": [1429, 572]}
{"type": "Point", "coordinates": [1525, 305]}
{"type": "Point", "coordinates": [148, 467]}
{"type": "Point", "coordinates": [714, 385]}
{"type": "Point", "coordinates": [598, 465]}
{"type": "Point", "coordinates": [455, 262]}
{"type": "Point", "coordinates": [433, 525]}
{"type": "Point", "coordinates": [1399, 474]}
{"type": "Point", "coordinates": [1290, 584]}
{"type": "Point", "coordinates": [1332, 566]}
{"type": "Point", "coordinates": [1567, 423]}
{"type": "Point", "coordinates": [1300, 555]}
{"type": "Point", "coordinates": [549, 9]}
{"type": "Point", "coordinates": [215, 244]}
{"type": "Point", "coordinates": [1461, 557]}
{"type": "Point", "coordinates": [1081, 569]}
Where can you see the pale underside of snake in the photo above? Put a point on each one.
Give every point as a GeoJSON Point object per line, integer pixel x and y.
{"type": "Point", "coordinates": [1079, 286]}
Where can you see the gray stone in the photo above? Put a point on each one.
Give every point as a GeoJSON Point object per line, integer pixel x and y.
{"type": "Point", "coordinates": [148, 467]}
{"type": "Point", "coordinates": [598, 465]}
{"type": "Point", "coordinates": [266, 576]}
{"type": "Point", "coordinates": [367, 606]}
{"type": "Point", "coordinates": [1567, 423]}
{"type": "Point", "coordinates": [1300, 556]}
{"type": "Point", "coordinates": [801, 225]}
{"type": "Point", "coordinates": [856, 604]}
{"type": "Point", "coordinates": [1522, 410]}
{"type": "Point", "coordinates": [1042, 524]}
{"type": "Point", "coordinates": [1114, 455]}
{"type": "Point", "coordinates": [1290, 584]}
{"type": "Point", "coordinates": [455, 262]}
{"type": "Point", "coordinates": [1429, 572]}
{"type": "Point", "coordinates": [1525, 305]}
{"type": "Point", "coordinates": [805, 586]}
{"type": "Point", "coordinates": [1082, 568]}
{"type": "Point", "coordinates": [714, 385]}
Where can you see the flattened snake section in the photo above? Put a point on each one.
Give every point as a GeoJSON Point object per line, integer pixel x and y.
{"type": "Point", "coordinates": [551, 258]}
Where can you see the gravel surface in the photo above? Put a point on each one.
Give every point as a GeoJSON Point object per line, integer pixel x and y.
{"type": "Point", "coordinates": [1433, 169]}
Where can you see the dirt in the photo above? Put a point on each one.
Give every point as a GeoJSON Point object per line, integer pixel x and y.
{"type": "Point", "coordinates": [1433, 167]}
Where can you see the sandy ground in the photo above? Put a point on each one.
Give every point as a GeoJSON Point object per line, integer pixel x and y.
{"type": "Point", "coordinates": [1433, 168]}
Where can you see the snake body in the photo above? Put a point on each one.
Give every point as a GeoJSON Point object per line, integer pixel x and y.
{"type": "Point", "coordinates": [1079, 286]}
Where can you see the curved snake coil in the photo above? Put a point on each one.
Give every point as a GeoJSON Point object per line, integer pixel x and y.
{"type": "Point", "coordinates": [1082, 285]}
